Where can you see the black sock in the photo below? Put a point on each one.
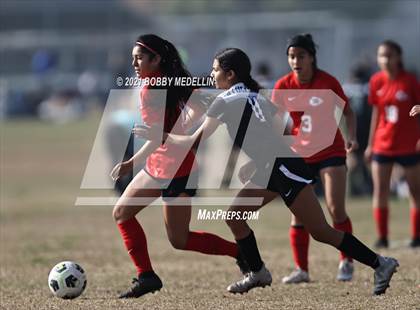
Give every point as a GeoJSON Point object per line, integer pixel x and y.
{"type": "Point", "coordinates": [357, 250]}
{"type": "Point", "coordinates": [249, 250]}
{"type": "Point", "coordinates": [147, 275]}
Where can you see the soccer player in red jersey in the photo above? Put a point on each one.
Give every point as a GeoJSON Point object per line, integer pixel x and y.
{"type": "Point", "coordinates": [164, 174]}
{"type": "Point", "coordinates": [330, 163]}
{"type": "Point", "coordinates": [394, 137]}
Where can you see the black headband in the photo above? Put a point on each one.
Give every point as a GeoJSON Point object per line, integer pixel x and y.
{"type": "Point", "coordinates": [302, 41]}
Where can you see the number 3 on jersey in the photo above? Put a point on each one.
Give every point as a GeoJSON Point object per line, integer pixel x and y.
{"type": "Point", "coordinates": [306, 123]}
{"type": "Point", "coordinates": [391, 113]}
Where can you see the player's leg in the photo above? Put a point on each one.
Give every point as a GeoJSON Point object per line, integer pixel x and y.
{"type": "Point", "coordinates": [307, 208]}
{"type": "Point", "coordinates": [143, 187]}
{"type": "Point", "coordinates": [334, 181]}
{"type": "Point", "coordinates": [381, 176]}
{"type": "Point", "coordinates": [177, 216]}
{"type": "Point", "coordinates": [240, 227]}
{"type": "Point", "coordinates": [412, 175]}
{"type": "Point", "coordinates": [177, 222]}
{"type": "Point", "coordinates": [299, 243]}
{"type": "Point", "coordinates": [333, 177]}
{"type": "Point", "coordinates": [258, 276]}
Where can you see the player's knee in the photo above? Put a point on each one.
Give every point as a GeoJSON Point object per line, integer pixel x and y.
{"type": "Point", "coordinates": [316, 235]}
{"type": "Point", "coordinates": [338, 213]}
{"type": "Point", "coordinates": [381, 189]}
{"type": "Point", "coordinates": [177, 242]}
{"type": "Point", "coordinates": [118, 213]}
{"type": "Point", "coordinates": [237, 227]}
{"type": "Point", "coordinates": [319, 234]}
{"type": "Point", "coordinates": [320, 237]}
{"type": "Point", "coordinates": [233, 224]}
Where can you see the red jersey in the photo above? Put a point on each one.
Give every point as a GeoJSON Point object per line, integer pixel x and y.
{"type": "Point", "coordinates": [396, 133]}
{"type": "Point", "coordinates": [311, 130]}
{"type": "Point", "coordinates": [168, 160]}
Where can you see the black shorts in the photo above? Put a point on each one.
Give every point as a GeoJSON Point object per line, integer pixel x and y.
{"type": "Point", "coordinates": [329, 162]}
{"type": "Point", "coordinates": [172, 188]}
{"type": "Point", "coordinates": [403, 160]}
{"type": "Point", "coordinates": [288, 177]}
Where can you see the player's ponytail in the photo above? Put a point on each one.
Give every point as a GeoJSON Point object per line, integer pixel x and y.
{"type": "Point", "coordinates": [171, 65]}
{"type": "Point", "coordinates": [236, 60]}
{"type": "Point", "coordinates": [252, 84]}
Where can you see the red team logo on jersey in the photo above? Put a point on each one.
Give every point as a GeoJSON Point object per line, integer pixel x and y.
{"type": "Point", "coordinates": [315, 114]}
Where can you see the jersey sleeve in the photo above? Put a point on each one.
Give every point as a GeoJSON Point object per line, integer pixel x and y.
{"type": "Point", "coordinates": [275, 94]}
{"type": "Point", "coordinates": [217, 109]}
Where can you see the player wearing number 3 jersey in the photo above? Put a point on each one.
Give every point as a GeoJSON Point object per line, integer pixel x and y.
{"type": "Point", "coordinates": [394, 137]}
{"type": "Point", "coordinates": [309, 127]}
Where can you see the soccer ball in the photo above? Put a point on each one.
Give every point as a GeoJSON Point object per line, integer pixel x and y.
{"type": "Point", "coordinates": [67, 280]}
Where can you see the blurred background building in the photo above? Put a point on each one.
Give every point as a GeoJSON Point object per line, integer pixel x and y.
{"type": "Point", "coordinates": [70, 52]}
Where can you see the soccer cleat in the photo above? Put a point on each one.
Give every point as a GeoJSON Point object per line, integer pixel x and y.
{"type": "Point", "coordinates": [345, 270]}
{"type": "Point", "coordinates": [383, 274]}
{"type": "Point", "coordinates": [297, 276]}
{"type": "Point", "coordinates": [381, 243]}
{"type": "Point", "coordinates": [252, 279]}
{"type": "Point", "coordinates": [415, 243]}
{"type": "Point", "coordinates": [242, 264]}
{"type": "Point", "coordinates": [146, 283]}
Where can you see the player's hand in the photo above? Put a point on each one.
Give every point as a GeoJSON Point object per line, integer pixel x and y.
{"type": "Point", "coordinates": [121, 169]}
{"type": "Point", "coordinates": [151, 133]}
{"type": "Point", "coordinates": [351, 145]}
{"type": "Point", "coordinates": [415, 110]}
{"type": "Point", "coordinates": [368, 154]}
{"type": "Point", "coordinates": [246, 172]}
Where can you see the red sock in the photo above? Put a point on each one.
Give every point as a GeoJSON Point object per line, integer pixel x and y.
{"type": "Point", "coordinates": [299, 242]}
{"type": "Point", "coordinates": [346, 227]}
{"type": "Point", "coordinates": [415, 222]}
{"type": "Point", "coordinates": [381, 218]}
{"type": "Point", "coordinates": [136, 244]}
{"type": "Point", "coordinates": [207, 243]}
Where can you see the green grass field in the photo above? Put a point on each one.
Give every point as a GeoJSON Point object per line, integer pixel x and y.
{"type": "Point", "coordinates": [41, 169]}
